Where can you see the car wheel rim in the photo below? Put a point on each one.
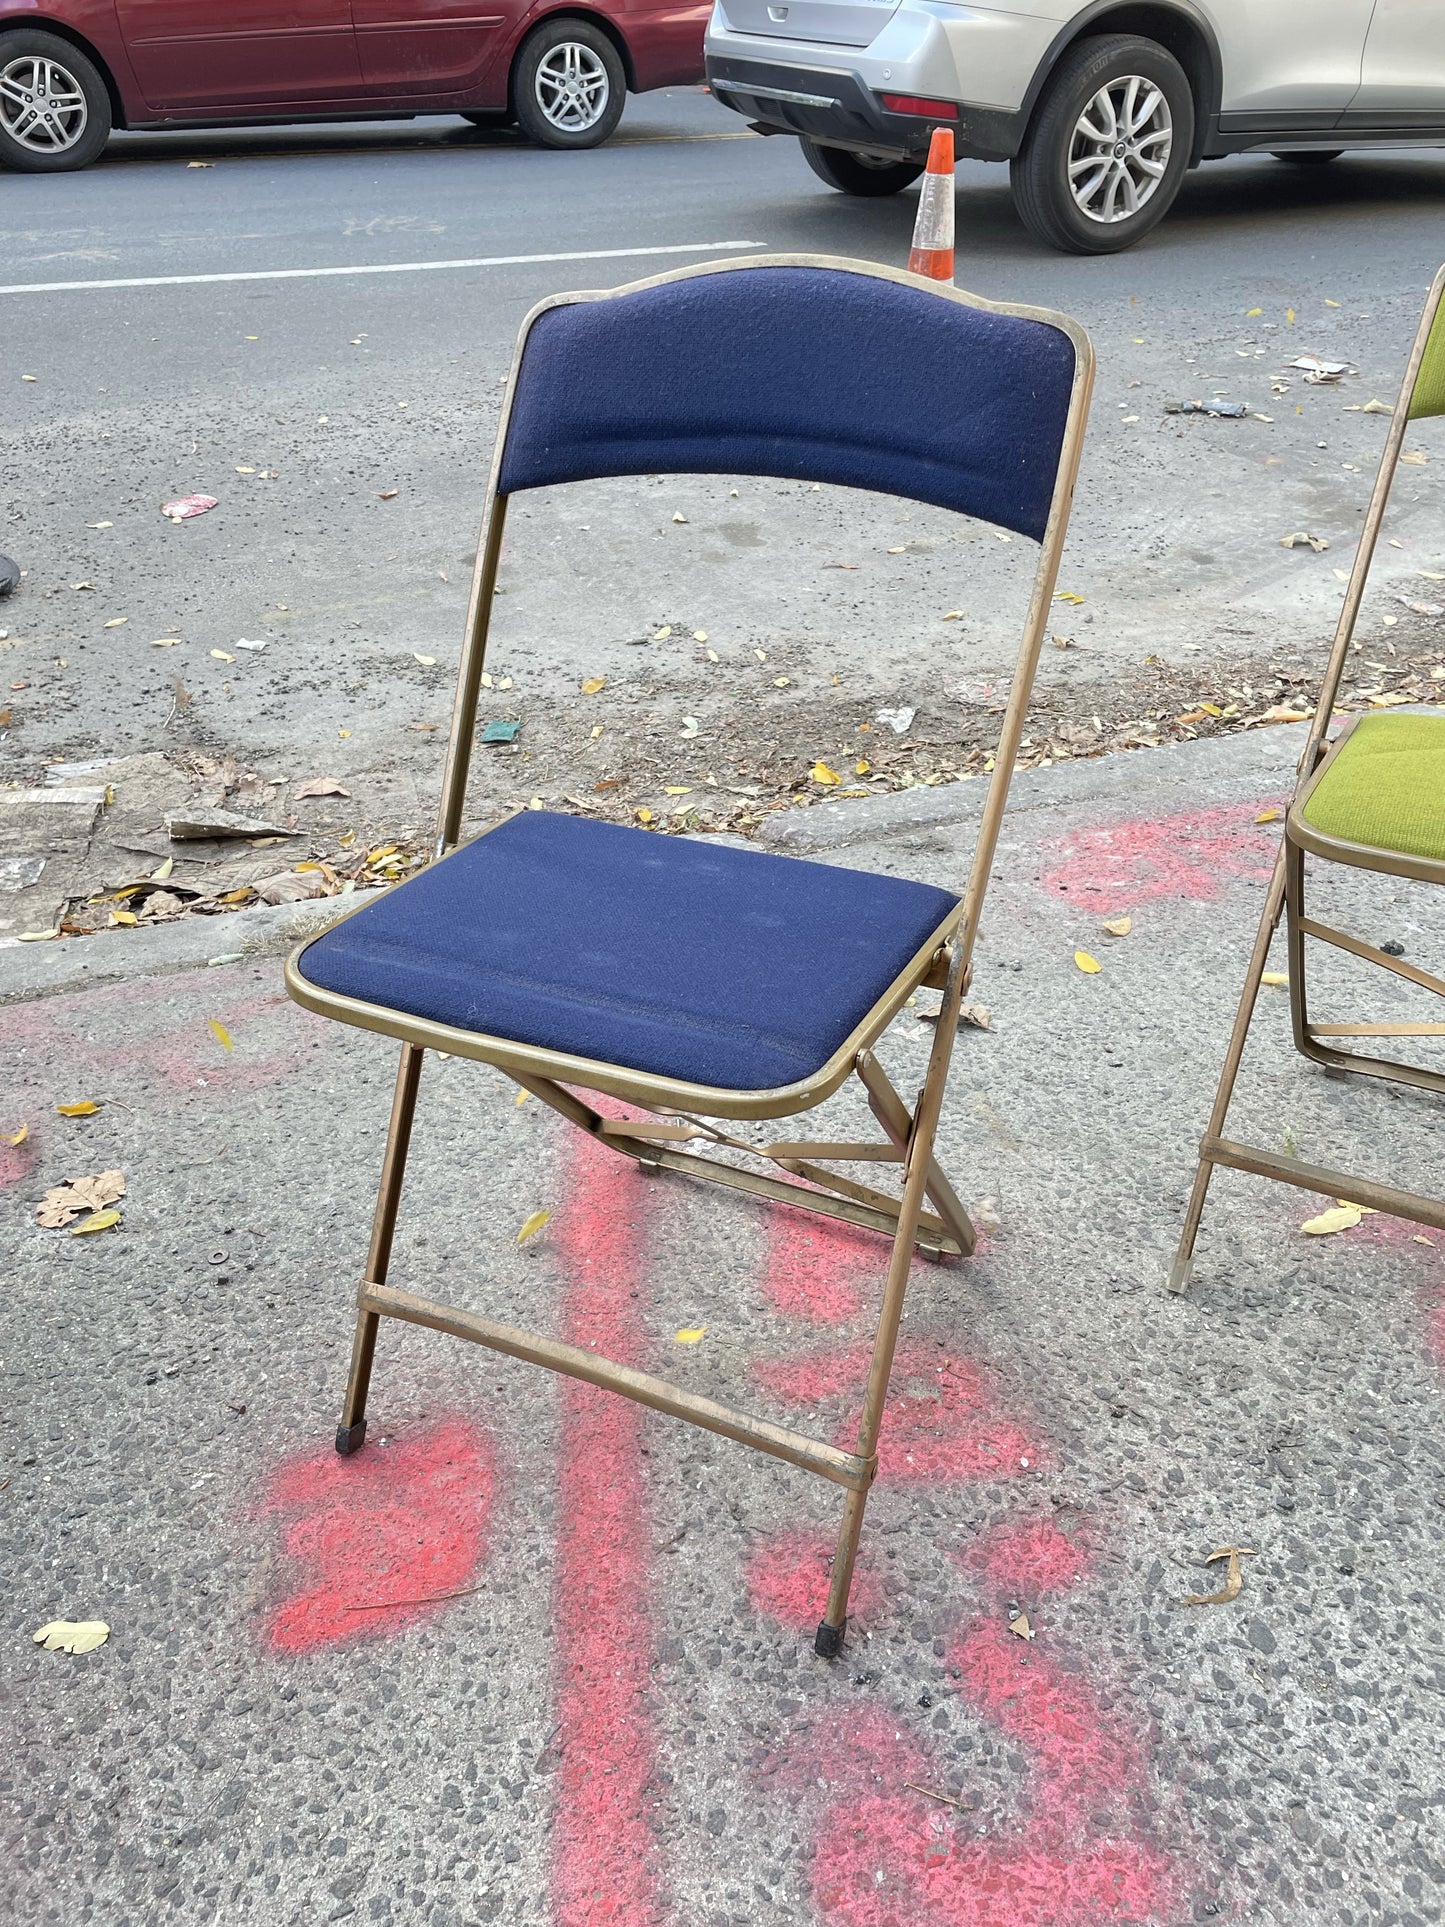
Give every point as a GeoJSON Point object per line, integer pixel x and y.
{"type": "Point", "coordinates": [42, 107]}
{"type": "Point", "coordinates": [1120, 150]}
{"type": "Point", "coordinates": [572, 87]}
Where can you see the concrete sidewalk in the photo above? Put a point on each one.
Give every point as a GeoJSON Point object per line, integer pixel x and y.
{"type": "Point", "coordinates": [616, 1715]}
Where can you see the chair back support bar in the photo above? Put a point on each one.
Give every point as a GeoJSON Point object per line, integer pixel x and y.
{"type": "Point", "coordinates": [1422, 394]}
{"type": "Point", "coordinates": [807, 368]}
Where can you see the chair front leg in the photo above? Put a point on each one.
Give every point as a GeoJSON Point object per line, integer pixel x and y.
{"type": "Point", "coordinates": [352, 1429]}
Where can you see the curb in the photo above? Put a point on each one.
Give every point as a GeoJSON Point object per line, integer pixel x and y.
{"type": "Point", "coordinates": [115, 956]}
{"type": "Point", "coordinates": [1260, 754]}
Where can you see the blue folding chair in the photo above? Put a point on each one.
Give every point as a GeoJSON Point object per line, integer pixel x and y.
{"type": "Point", "coordinates": [693, 980]}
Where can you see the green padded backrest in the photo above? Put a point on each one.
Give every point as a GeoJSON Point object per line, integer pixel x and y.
{"type": "Point", "coordinates": [1429, 393]}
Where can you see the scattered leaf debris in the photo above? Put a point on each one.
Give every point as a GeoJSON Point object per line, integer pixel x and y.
{"type": "Point", "coordinates": [1233, 1578]}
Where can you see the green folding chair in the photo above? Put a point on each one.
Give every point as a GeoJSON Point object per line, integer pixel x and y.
{"type": "Point", "coordinates": [1374, 798]}
{"type": "Point", "coordinates": [693, 980]}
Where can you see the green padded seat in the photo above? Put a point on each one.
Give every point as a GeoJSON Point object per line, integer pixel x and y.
{"type": "Point", "coordinates": [1385, 787]}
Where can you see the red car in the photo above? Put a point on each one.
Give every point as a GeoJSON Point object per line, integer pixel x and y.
{"type": "Point", "coordinates": [70, 70]}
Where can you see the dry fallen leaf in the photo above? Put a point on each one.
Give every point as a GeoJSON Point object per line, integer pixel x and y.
{"type": "Point", "coordinates": [1268, 816]}
{"type": "Point", "coordinates": [78, 1198]}
{"type": "Point", "coordinates": [1233, 1579]}
{"type": "Point", "coordinates": [532, 1225]}
{"type": "Point", "coordinates": [678, 516]}
{"type": "Point", "coordinates": [1118, 926]}
{"type": "Point", "coordinates": [97, 1221]}
{"type": "Point", "coordinates": [320, 786]}
{"type": "Point", "coordinates": [1089, 965]}
{"type": "Point", "coordinates": [1278, 978]}
{"type": "Point", "coordinates": [522, 1097]}
{"type": "Point", "coordinates": [1339, 1217]}
{"type": "Point", "coordinates": [822, 774]}
{"type": "Point", "coordinates": [16, 1137]}
{"type": "Point", "coordinates": [593, 684]}
{"type": "Point", "coordinates": [1300, 540]}
{"type": "Point", "coordinates": [1020, 1627]}
{"type": "Point", "coordinates": [1416, 457]}
{"type": "Point", "coordinates": [84, 1107]}
{"type": "Point", "coordinates": [220, 1033]}
{"type": "Point", "coordinates": [116, 622]}
{"type": "Point", "coordinates": [73, 1635]}
{"type": "Point", "coordinates": [690, 1334]}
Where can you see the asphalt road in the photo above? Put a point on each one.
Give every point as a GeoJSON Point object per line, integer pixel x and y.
{"type": "Point", "coordinates": [338, 388]}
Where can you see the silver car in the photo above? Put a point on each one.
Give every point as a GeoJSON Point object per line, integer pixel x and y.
{"type": "Point", "coordinates": [1098, 108]}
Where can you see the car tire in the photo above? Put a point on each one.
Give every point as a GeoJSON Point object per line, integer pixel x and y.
{"type": "Point", "coordinates": [72, 126]}
{"type": "Point", "coordinates": [854, 173]}
{"type": "Point", "coordinates": [1312, 157]}
{"type": "Point", "coordinates": [1097, 84]}
{"type": "Point", "coordinates": [568, 84]}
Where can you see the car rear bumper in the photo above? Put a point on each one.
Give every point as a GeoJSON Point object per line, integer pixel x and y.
{"type": "Point", "coordinates": [838, 109]}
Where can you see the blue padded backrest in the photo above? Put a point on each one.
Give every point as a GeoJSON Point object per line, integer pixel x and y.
{"type": "Point", "coordinates": [811, 373]}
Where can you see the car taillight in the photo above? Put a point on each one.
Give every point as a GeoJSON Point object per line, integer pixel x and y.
{"type": "Point", "coordinates": [911, 104]}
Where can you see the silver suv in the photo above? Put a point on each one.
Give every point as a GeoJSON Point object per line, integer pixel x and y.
{"type": "Point", "coordinates": [1098, 108]}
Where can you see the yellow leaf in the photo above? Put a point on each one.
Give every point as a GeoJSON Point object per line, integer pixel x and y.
{"type": "Point", "coordinates": [220, 1033]}
{"type": "Point", "coordinates": [532, 1225]}
{"type": "Point", "coordinates": [782, 682]}
{"type": "Point", "coordinates": [1289, 316]}
{"type": "Point", "coordinates": [1268, 816]}
{"type": "Point", "coordinates": [690, 1334]}
{"type": "Point", "coordinates": [1416, 457]}
{"type": "Point", "coordinates": [1276, 977]}
{"type": "Point", "coordinates": [522, 1097]}
{"type": "Point", "coordinates": [163, 870]}
{"type": "Point", "coordinates": [221, 656]}
{"type": "Point", "coordinates": [678, 789]}
{"type": "Point", "coordinates": [643, 815]}
{"type": "Point", "coordinates": [822, 774]}
{"type": "Point", "coordinates": [1089, 965]}
{"type": "Point", "coordinates": [381, 850]}
{"type": "Point", "coordinates": [124, 917]}
{"type": "Point", "coordinates": [1365, 1210]}
{"type": "Point", "coordinates": [1331, 304]}
{"type": "Point", "coordinates": [16, 1137]}
{"type": "Point", "coordinates": [1340, 1217]}
{"type": "Point", "coordinates": [86, 1107]}
{"type": "Point", "coordinates": [427, 662]}
{"type": "Point", "coordinates": [73, 1635]}
{"type": "Point", "coordinates": [1211, 709]}
{"type": "Point", "coordinates": [116, 622]}
{"type": "Point", "coordinates": [862, 766]}
{"type": "Point", "coordinates": [952, 615]}
{"type": "Point", "coordinates": [97, 1221]}
{"type": "Point", "coordinates": [1119, 926]}
{"type": "Point", "coordinates": [662, 634]}
{"type": "Point", "coordinates": [1250, 313]}
{"type": "Point", "coordinates": [593, 684]}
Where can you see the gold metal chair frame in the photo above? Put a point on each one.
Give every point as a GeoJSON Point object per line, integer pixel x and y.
{"type": "Point", "coordinates": [676, 1111]}
{"type": "Point", "coordinates": [1286, 896]}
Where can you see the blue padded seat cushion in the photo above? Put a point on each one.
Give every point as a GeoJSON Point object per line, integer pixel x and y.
{"type": "Point", "coordinates": [683, 958]}
{"type": "Point", "coordinates": [821, 374]}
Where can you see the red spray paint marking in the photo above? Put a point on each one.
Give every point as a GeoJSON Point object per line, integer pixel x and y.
{"type": "Point", "coordinates": [17, 1161]}
{"type": "Point", "coordinates": [604, 1853]}
{"type": "Point", "coordinates": [1083, 1765]}
{"type": "Point", "coordinates": [1190, 856]}
{"type": "Point", "coordinates": [1026, 1561]}
{"type": "Point", "coordinates": [788, 1578]}
{"type": "Point", "coordinates": [939, 1422]}
{"type": "Point", "coordinates": [887, 1856]}
{"type": "Point", "coordinates": [397, 1522]}
{"type": "Point", "coordinates": [821, 1272]}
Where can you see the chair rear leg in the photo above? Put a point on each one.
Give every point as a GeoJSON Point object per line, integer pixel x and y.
{"type": "Point", "coordinates": [352, 1429]}
{"type": "Point", "coordinates": [1259, 956]}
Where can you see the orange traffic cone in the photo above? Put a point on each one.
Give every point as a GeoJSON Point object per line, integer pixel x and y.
{"type": "Point", "coordinates": [932, 251]}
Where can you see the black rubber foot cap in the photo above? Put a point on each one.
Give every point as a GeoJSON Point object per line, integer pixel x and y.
{"type": "Point", "coordinates": [828, 1641]}
{"type": "Point", "coordinates": [349, 1437]}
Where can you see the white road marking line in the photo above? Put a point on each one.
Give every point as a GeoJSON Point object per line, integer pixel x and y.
{"type": "Point", "coordinates": [380, 267]}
